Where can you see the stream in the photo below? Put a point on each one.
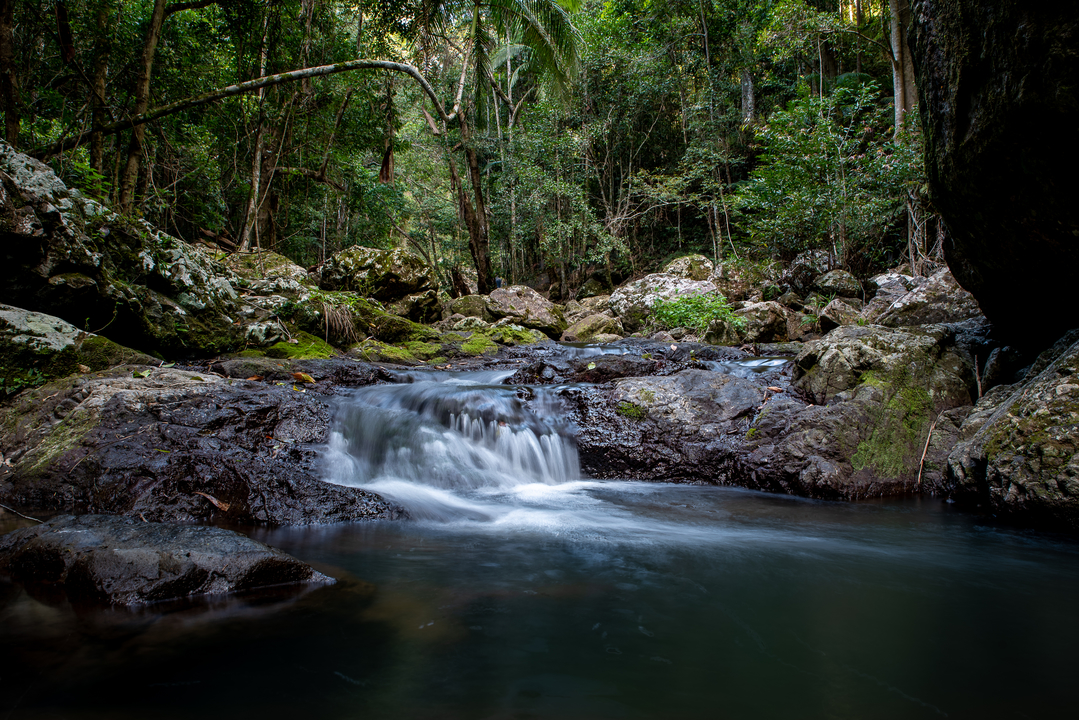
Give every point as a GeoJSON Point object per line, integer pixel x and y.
{"type": "Point", "coordinates": [521, 589]}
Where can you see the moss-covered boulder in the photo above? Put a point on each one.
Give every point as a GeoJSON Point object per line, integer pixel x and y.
{"type": "Point", "coordinates": [36, 348]}
{"type": "Point", "coordinates": [691, 267]}
{"type": "Point", "coordinates": [584, 330]}
{"type": "Point", "coordinates": [471, 306]}
{"type": "Point", "coordinates": [345, 318]}
{"type": "Point", "coordinates": [67, 255]}
{"type": "Point", "coordinates": [838, 283]}
{"type": "Point", "coordinates": [879, 399]}
{"type": "Point", "coordinates": [386, 275]}
{"type": "Point", "coordinates": [1017, 455]}
{"type": "Point", "coordinates": [524, 306]}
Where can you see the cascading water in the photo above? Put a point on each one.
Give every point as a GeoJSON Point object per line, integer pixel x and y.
{"type": "Point", "coordinates": [442, 443]}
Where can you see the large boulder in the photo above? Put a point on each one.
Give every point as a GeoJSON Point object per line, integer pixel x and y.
{"type": "Point", "coordinates": [1017, 454]}
{"type": "Point", "coordinates": [587, 328]}
{"type": "Point", "coordinates": [170, 445]}
{"type": "Point", "coordinates": [805, 268]}
{"type": "Point", "coordinates": [838, 283]}
{"type": "Point", "coordinates": [691, 267]}
{"type": "Point", "coordinates": [998, 101]}
{"type": "Point", "coordinates": [886, 289]}
{"type": "Point", "coordinates": [471, 306]}
{"type": "Point", "coordinates": [765, 322]}
{"type": "Point", "coordinates": [36, 348]}
{"type": "Point", "coordinates": [839, 312]}
{"type": "Point", "coordinates": [526, 307]}
{"type": "Point", "coordinates": [878, 399]}
{"type": "Point", "coordinates": [937, 300]}
{"type": "Point", "coordinates": [386, 275]}
{"type": "Point", "coordinates": [69, 256]}
{"type": "Point", "coordinates": [268, 273]}
{"type": "Point", "coordinates": [126, 561]}
{"type": "Point", "coordinates": [633, 302]}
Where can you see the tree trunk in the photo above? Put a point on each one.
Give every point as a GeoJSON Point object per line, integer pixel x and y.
{"type": "Point", "coordinates": [749, 97]}
{"type": "Point", "coordinates": [9, 83]}
{"type": "Point", "coordinates": [251, 213]}
{"type": "Point", "coordinates": [142, 103]}
{"type": "Point", "coordinates": [475, 216]}
{"type": "Point", "coordinates": [99, 110]}
{"type": "Point", "coordinates": [905, 93]}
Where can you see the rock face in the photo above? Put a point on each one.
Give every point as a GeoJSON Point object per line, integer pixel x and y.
{"type": "Point", "coordinates": [69, 256]}
{"type": "Point", "coordinates": [526, 307]}
{"type": "Point", "coordinates": [1017, 454]}
{"type": "Point", "coordinates": [691, 267]}
{"type": "Point", "coordinates": [123, 561]}
{"type": "Point", "coordinates": [35, 347]}
{"type": "Point", "coordinates": [838, 283]}
{"type": "Point", "coordinates": [386, 275]}
{"type": "Point", "coordinates": [180, 446]}
{"type": "Point", "coordinates": [997, 83]}
{"type": "Point", "coordinates": [633, 302]}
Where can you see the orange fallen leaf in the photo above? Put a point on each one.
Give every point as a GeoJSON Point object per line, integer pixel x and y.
{"type": "Point", "coordinates": [303, 377]}
{"type": "Point", "coordinates": [222, 506]}
{"type": "Point", "coordinates": [84, 369]}
{"type": "Point", "coordinates": [775, 389]}
{"type": "Point", "coordinates": [255, 377]}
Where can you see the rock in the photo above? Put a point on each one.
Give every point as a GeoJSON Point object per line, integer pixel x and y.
{"type": "Point", "coordinates": [840, 361]}
{"type": "Point", "coordinates": [593, 287]}
{"type": "Point", "coordinates": [805, 268]}
{"type": "Point", "coordinates": [526, 307]}
{"type": "Point", "coordinates": [764, 322]}
{"type": "Point", "coordinates": [802, 326]}
{"type": "Point", "coordinates": [600, 338]}
{"type": "Point", "coordinates": [268, 273]}
{"type": "Point", "coordinates": [471, 306]}
{"type": "Point", "coordinates": [791, 300]}
{"type": "Point", "coordinates": [596, 304]}
{"type": "Point", "coordinates": [996, 85]}
{"type": "Point", "coordinates": [938, 300]}
{"type": "Point", "coordinates": [633, 302]}
{"type": "Point", "coordinates": [876, 395]}
{"type": "Point", "coordinates": [886, 289]}
{"type": "Point", "coordinates": [36, 348]}
{"type": "Point", "coordinates": [69, 256]}
{"type": "Point", "coordinates": [671, 428]}
{"type": "Point", "coordinates": [733, 280]}
{"type": "Point", "coordinates": [838, 283]}
{"type": "Point", "coordinates": [421, 307]}
{"type": "Point", "coordinates": [584, 330]}
{"type": "Point", "coordinates": [841, 311]}
{"type": "Point", "coordinates": [691, 267]}
{"type": "Point", "coordinates": [1017, 456]}
{"type": "Point", "coordinates": [469, 324]}
{"type": "Point", "coordinates": [119, 443]}
{"type": "Point", "coordinates": [386, 275]}
{"type": "Point", "coordinates": [123, 561]}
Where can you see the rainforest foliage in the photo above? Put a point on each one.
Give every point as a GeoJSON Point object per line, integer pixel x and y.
{"type": "Point", "coordinates": [544, 141]}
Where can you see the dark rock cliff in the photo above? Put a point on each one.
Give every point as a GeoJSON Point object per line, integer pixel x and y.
{"type": "Point", "coordinates": [999, 97]}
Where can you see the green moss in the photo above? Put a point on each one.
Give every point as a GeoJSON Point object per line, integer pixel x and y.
{"type": "Point", "coordinates": [894, 445]}
{"type": "Point", "coordinates": [631, 411]}
{"type": "Point", "coordinates": [647, 395]}
{"type": "Point", "coordinates": [422, 350]}
{"type": "Point", "coordinates": [479, 344]}
{"type": "Point", "coordinates": [751, 433]}
{"type": "Point", "coordinates": [376, 351]}
{"type": "Point", "coordinates": [307, 347]}
{"type": "Point", "coordinates": [252, 353]}
{"type": "Point", "coordinates": [514, 336]}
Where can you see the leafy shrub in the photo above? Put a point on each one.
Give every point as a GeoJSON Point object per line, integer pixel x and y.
{"type": "Point", "coordinates": [695, 312]}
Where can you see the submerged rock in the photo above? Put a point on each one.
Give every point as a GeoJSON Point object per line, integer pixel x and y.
{"type": "Point", "coordinates": [171, 445]}
{"type": "Point", "coordinates": [124, 561]}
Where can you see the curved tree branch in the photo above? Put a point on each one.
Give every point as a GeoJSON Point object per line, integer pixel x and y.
{"type": "Point", "coordinates": [246, 87]}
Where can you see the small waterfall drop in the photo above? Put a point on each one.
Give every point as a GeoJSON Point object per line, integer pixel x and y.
{"type": "Point", "coordinates": [440, 441]}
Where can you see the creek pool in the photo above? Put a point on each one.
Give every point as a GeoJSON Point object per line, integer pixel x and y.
{"type": "Point", "coordinates": [521, 590]}
{"type": "Point", "coordinates": [594, 600]}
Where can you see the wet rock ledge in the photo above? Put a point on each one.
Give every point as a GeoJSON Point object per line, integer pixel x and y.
{"type": "Point", "coordinates": [97, 559]}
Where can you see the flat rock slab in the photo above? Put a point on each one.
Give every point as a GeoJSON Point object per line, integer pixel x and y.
{"type": "Point", "coordinates": [121, 561]}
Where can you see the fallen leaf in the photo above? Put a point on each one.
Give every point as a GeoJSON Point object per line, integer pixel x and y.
{"type": "Point", "coordinates": [674, 347]}
{"type": "Point", "coordinates": [168, 365]}
{"type": "Point", "coordinates": [255, 377]}
{"type": "Point", "coordinates": [591, 366]}
{"type": "Point", "coordinates": [775, 389]}
{"type": "Point", "coordinates": [293, 341]}
{"type": "Point", "coordinates": [303, 377]}
{"type": "Point", "coordinates": [83, 369]}
{"type": "Point", "coordinates": [298, 389]}
{"type": "Point", "coordinates": [223, 506]}
{"type": "Point", "coordinates": [143, 374]}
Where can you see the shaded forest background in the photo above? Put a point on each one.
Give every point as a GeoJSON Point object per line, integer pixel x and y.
{"type": "Point", "coordinates": [556, 143]}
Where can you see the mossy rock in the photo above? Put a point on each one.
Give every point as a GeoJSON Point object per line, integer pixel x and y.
{"type": "Point", "coordinates": [479, 344]}
{"type": "Point", "coordinates": [376, 351]}
{"type": "Point", "coordinates": [367, 317]}
{"type": "Point", "coordinates": [36, 348]}
{"type": "Point", "coordinates": [306, 347]}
